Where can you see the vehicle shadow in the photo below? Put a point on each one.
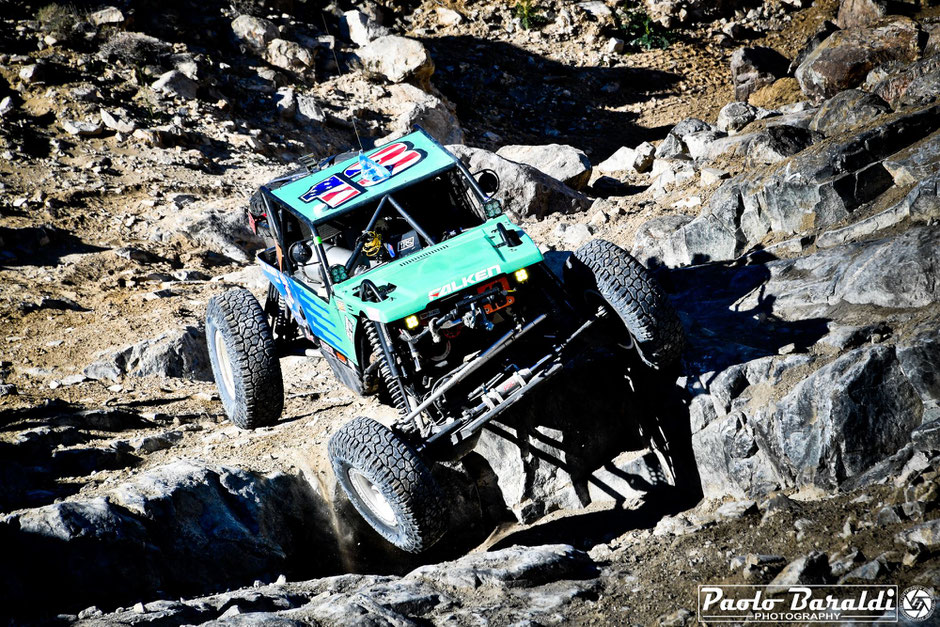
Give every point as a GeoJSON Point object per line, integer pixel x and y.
{"type": "Point", "coordinates": [526, 98]}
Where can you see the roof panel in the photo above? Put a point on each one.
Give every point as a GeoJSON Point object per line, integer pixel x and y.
{"type": "Point", "coordinates": [341, 187]}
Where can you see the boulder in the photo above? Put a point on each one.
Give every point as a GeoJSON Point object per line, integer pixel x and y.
{"type": "Point", "coordinates": [181, 354]}
{"type": "Point", "coordinates": [398, 59]}
{"type": "Point", "coordinates": [844, 59]}
{"type": "Point", "coordinates": [673, 145]}
{"type": "Point", "coordinates": [255, 32]}
{"type": "Point", "coordinates": [223, 230]}
{"type": "Point", "coordinates": [917, 84]}
{"type": "Point", "coordinates": [621, 161]}
{"type": "Point", "coordinates": [524, 191]}
{"type": "Point", "coordinates": [413, 106]}
{"type": "Point", "coordinates": [290, 56]}
{"type": "Point", "coordinates": [848, 110]}
{"type": "Point", "coordinates": [360, 29]}
{"type": "Point", "coordinates": [812, 42]}
{"type": "Point", "coordinates": [755, 67]}
{"type": "Point", "coordinates": [175, 84]}
{"type": "Point", "coordinates": [564, 163]}
{"type": "Point", "coordinates": [308, 110]}
{"type": "Point", "coordinates": [106, 17]}
{"type": "Point", "coordinates": [807, 570]}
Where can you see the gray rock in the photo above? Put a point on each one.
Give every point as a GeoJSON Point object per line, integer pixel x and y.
{"type": "Point", "coordinates": [621, 161]}
{"type": "Point", "coordinates": [256, 32]}
{"type": "Point", "coordinates": [846, 111]}
{"type": "Point", "coordinates": [698, 144]}
{"type": "Point", "coordinates": [736, 509]}
{"type": "Point", "coordinates": [756, 67]}
{"type": "Point", "coordinates": [924, 536]}
{"type": "Point", "coordinates": [221, 230]}
{"type": "Point", "coordinates": [524, 191]}
{"type": "Point", "coordinates": [627, 478]}
{"type": "Point", "coordinates": [919, 357]}
{"type": "Point", "coordinates": [285, 102]}
{"type": "Point", "coordinates": [736, 115]}
{"type": "Point", "coordinates": [308, 110]}
{"type": "Point", "coordinates": [516, 566]}
{"type": "Point", "coordinates": [117, 124]}
{"type": "Point", "coordinates": [179, 353]}
{"type": "Point", "coordinates": [853, 13]}
{"type": "Point", "coordinates": [673, 145]}
{"type": "Point", "coordinates": [868, 571]}
{"type": "Point", "coordinates": [564, 163]}
{"type": "Point", "coordinates": [653, 244]}
{"type": "Point", "coordinates": [360, 29]}
{"type": "Point", "coordinates": [926, 438]}
{"type": "Point", "coordinates": [643, 157]}
{"type": "Point", "coordinates": [398, 59]}
{"type": "Point", "coordinates": [106, 16]}
{"type": "Point", "coordinates": [808, 570]}
{"type": "Point", "coordinates": [916, 163]}
{"type": "Point", "coordinates": [82, 129]}
{"type": "Point", "coordinates": [414, 106]}
{"type": "Point", "coordinates": [779, 142]}
{"type": "Point", "coordinates": [175, 84]}
{"type": "Point", "coordinates": [290, 56]}
{"type": "Point", "coordinates": [844, 59]}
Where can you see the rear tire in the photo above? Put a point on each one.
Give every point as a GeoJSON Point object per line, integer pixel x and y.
{"type": "Point", "coordinates": [244, 360]}
{"type": "Point", "coordinates": [388, 484]}
{"type": "Point", "coordinates": [627, 288]}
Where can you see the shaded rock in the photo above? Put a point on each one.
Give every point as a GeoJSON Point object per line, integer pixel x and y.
{"type": "Point", "coordinates": [290, 56]}
{"type": "Point", "coordinates": [779, 142]}
{"type": "Point", "coordinates": [919, 162]}
{"type": "Point", "coordinates": [256, 32]}
{"type": "Point", "coordinates": [564, 163]}
{"type": "Point", "coordinates": [846, 111]}
{"type": "Point", "coordinates": [175, 84]}
{"type": "Point", "coordinates": [516, 566]}
{"type": "Point", "coordinates": [175, 354]}
{"type": "Point", "coordinates": [844, 59]}
{"type": "Point", "coordinates": [524, 191]}
{"type": "Point", "coordinates": [918, 83]}
{"type": "Point", "coordinates": [285, 102]}
{"type": "Point", "coordinates": [398, 59]}
{"type": "Point", "coordinates": [643, 157]}
{"type": "Point", "coordinates": [360, 29]}
{"type": "Point", "coordinates": [308, 110]}
{"type": "Point", "coordinates": [756, 67]}
{"type": "Point", "coordinates": [919, 357]}
{"type": "Point", "coordinates": [628, 477]}
{"type": "Point", "coordinates": [812, 42]}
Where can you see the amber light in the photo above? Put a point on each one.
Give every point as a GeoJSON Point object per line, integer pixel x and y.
{"type": "Point", "coordinates": [411, 322]}
{"type": "Point", "coordinates": [522, 275]}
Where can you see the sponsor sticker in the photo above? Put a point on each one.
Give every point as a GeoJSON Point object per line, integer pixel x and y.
{"type": "Point", "coordinates": [462, 282]}
{"type": "Point", "coordinates": [812, 604]}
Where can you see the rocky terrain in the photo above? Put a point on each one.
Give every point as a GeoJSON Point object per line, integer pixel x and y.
{"type": "Point", "coordinates": [776, 165]}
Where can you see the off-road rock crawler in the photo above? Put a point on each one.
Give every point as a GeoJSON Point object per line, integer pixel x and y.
{"type": "Point", "coordinates": [399, 266]}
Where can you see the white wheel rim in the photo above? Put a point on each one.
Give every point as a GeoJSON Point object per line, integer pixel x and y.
{"type": "Point", "coordinates": [225, 365]}
{"type": "Point", "coordinates": [372, 497]}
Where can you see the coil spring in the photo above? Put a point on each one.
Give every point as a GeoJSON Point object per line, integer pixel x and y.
{"type": "Point", "coordinates": [393, 385]}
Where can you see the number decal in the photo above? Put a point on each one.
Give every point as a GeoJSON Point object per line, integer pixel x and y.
{"type": "Point", "coordinates": [340, 188]}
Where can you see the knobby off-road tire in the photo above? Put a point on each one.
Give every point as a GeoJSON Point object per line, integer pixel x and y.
{"type": "Point", "coordinates": [630, 291]}
{"type": "Point", "coordinates": [244, 360]}
{"type": "Point", "coordinates": [389, 484]}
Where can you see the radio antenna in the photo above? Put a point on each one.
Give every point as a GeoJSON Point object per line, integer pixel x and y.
{"type": "Point", "coordinates": [341, 73]}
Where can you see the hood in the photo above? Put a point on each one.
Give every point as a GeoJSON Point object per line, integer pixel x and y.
{"type": "Point", "coordinates": [471, 258]}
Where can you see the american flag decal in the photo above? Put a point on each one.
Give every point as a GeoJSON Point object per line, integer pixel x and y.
{"type": "Point", "coordinates": [340, 188]}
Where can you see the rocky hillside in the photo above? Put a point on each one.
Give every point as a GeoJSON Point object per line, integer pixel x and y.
{"type": "Point", "coordinates": [775, 163]}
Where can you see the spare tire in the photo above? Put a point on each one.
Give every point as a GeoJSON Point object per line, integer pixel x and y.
{"type": "Point", "coordinates": [388, 484]}
{"type": "Point", "coordinates": [600, 268]}
{"type": "Point", "coordinates": [244, 360]}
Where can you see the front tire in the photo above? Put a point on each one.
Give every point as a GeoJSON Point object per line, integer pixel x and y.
{"type": "Point", "coordinates": [628, 289]}
{"type": "Point", "coordinates": [388, 484]}
{"type": "Point", "coordinates": [244, 360]}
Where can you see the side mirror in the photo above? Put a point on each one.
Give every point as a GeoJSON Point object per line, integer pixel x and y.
{"type": "Point", "coordinates": [488, 181]}
{"type": "Point", "coordinates": [338, 273]}
{"type": "Point", "coordinates": [300, 253]}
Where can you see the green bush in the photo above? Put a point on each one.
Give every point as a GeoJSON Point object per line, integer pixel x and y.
{"type": "Point", "coordinates": [59, 20]}
{"type": "Point", "coordinates": [639, 31]}
{"type": "Point", "coordinates": [530, 14]}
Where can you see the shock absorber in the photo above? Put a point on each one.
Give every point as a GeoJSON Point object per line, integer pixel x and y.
{"type": "Point", "coordinates": [387, 367]}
